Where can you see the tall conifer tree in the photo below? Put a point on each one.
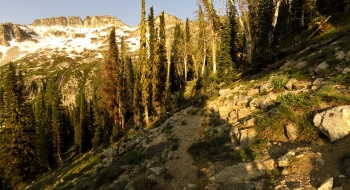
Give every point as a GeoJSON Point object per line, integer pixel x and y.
{"type": "Point", "coordinates": [145, 69]}
{"type": "Point", "coordinates": [17, 145]}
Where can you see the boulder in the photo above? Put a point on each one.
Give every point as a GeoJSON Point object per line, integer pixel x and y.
{"type": "Point", "coordinates": [287, 64]}
{"type": "Point", "coordinates": [265, 87]}
{"type": "Point", "coordinates": [243, 172]}
{"type": "Point", "coordinates": [242, 113]}
{"type": "Point", "coordinates": [334, 122]}
{"type": "Point", "coordinates": [317, 81]}
{"type": "Point", "coordinates": [254, 104]}
{"type": "Point", "coordinates": [224, 92]}
{"type": "Point", "coordinates": [224, 111]}
{"type": "Point", "coordinates": [289, 84]}
{"type": "Point", "coordinates": [291, 131]}
{"type": "Point", "coordinates": [321, 68]}
{"type": "Point", "coordinates": [340, 55]}
{"type": "Point", "coordinates": [242, 100]}
{"type": "Point", "coordinates": [284, 161]}
{"type": "Point", "coordinates": [346, 71]}
{"type": "Point", "coordinates": [347, 54]}
{"type": "Point", "coordinates": [250, 122]}
{"type": "Point", "coordinates": [253, 92]}
{"type": "Point", "coordinates": [157, 170]}
{"type": "Point", "coordinates": [246, 135]}
{"type": "Point", "coordinates": [301, 65]}
{"type": "Point", "coordinates": [301, 85]}
{"type": "Point", "coordinates": [327, 184]}
{"type": "Point", "coordinates": [155, 149]}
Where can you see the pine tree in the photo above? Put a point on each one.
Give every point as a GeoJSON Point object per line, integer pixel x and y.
{"type": "Point", "coordinates": [43, 131]}
{"type": "Point", "coordinates": [188, 61]}
{"type": "Point", "coordinates": [176, 62]}
{"type": "Point", "coordinates": [156, 80]}
{"type": "Point", "coordinates": [145, 69]}
{"type": "Point", "coordinates": [163, 61]}
{"type": "Point", "coordinates": [226, 65]}
{"type": "Point", "coordinates": [17, 144]}
{"type": "Point", "coordinates": [57, 119]}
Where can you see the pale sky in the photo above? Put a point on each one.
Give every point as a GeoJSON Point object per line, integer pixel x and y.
{"type": "Point", "coordinates": [128, 11]}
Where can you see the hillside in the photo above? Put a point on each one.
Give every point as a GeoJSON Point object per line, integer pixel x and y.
{"type": "Point", "coordinates": [261, 132]}
{"type": "Point", "coordinates": [178, 105]}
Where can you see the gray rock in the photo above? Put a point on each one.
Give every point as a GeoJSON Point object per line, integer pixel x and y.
{"type": "Point", "coordinates": [290, 83]}
{"type": "Point", "coordinates": [265, 87]}
{"type": "Point", "coordinates": [284, 161]}
{"type": "Point", "coordinates": [321, 68]}
{"type": "Point", "coordinates": [159, 139]}
{"type": "Point", "coordinates": [301, 85]}
{"type": "Point", "coordinates": [340, 55]}
{"type": "Point", "coordinates": [334, 122]}
{"type": "Point", "coordinates": [291, 131]}
{"type": "Point", "coordinates": [327, 184]}
{"type": "Point", "coordinates": [254, 104]}
{"type": "Point", "coordinates": [253, 92]}
{"type": "Point", "coordinates": [242, 113]}
{"type": "Point", "coordinates": [250, 122]}
{"type": "Point", "coordinates": [152, 177]}
{"type": "Point", "coordinates": [346, 71]}
{"type": "Point", "coordinates": [347, 54]}
{"type": "Point", "coordinates": [225, 92]}
{"type": "Point", "coordinates": [224, 111]}
{"type": "Point", "coordinates": [123, 178]}
{"type": "Point", "coordinates": [242, 172]}
{"type": "Point", "coordinates": [155, 149]}
{"type": "Point", "coordinates": [190, 185]}
{"type": "Point", "coordinates": [242, 100]}
{"type": "Point", "coordinates": [130, 186]}
{"type": "Point", "coordinates": [246, 136]}
{"type": "Point", "coordinates": [287, 64]}
{"type": "Point", "coordinates": [157, 170]}
{"type": "Point", "coordinates": [301, 65]}
{"type": "Point", "coordinates": [318, 81]}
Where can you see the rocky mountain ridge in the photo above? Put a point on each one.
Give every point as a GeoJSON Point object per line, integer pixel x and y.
{"type": "Point", "coordinates": [76, 22]}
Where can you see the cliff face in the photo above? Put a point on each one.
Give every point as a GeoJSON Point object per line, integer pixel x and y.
{"type": "Point", "coordinates": [76, 22]}
{"type": "Point", "coordinates": [101, 21]}
{"type": "Point", "coordinates": [72, 21]}
{"type": "Point", "coordinates": [9, 30]}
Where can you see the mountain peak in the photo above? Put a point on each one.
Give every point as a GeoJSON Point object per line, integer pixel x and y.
{"type": "Point", "coordinates": [76, 22]}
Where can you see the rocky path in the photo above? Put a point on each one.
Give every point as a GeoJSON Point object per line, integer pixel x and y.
{"type": "Point", "coordinates": [181, 167]}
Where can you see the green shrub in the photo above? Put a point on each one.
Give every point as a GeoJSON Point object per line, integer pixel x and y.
{"type": "Point", "coordinates": [279, 83]}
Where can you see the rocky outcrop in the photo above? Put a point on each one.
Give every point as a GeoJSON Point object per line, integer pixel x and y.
{"type": "Point", "coordinates": [243, 172]}
{"type": "Point", "coordinates": [4, 35]}
{"type": "Point", "coordinates": [9, 31]}
{"type": "Point", "coordinates": [101, 21]}
{"type": "Point", "coordinates": [57, 21]}
{"type": "Point", "coordinates": [334, 123]}
{"type": "Point", "coordinates": [76, 22]}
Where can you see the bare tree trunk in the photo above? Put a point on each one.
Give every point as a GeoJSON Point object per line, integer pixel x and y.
{"type": "Point", "coordinates": [146, 115]}
{"type": "Point", "coordinates": [185, 61]}
{"type": "Point", "coordinates": [274, 22]}
{"type": "Point", "coordinates": [204, 60]}
{"type": "Point", "coordinates": [246, 28]}
{"type": "Point", "coordinates": [213, 41]}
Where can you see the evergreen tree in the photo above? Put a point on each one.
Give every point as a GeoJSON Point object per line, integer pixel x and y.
{"type": "Point", "coordinates": [156, 80]}
{"type": "Point", "coordinates": [163, 61]}
{"type": "Point", "coordinates": [57, 119]}
{"type": "Point", "coordinates": [189, 67]}
{"type": "Point", "coordinates": [226, 65]}
{"type": "Point", "coordinates": [145, 69]}
{"type": "Point", "coordinates": [17, 144]}
{"type": "Point", "coordinates": [43, 131]}
{"type": "Point", "coordinates": [176, 63]}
